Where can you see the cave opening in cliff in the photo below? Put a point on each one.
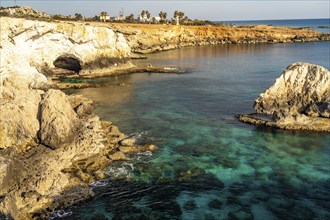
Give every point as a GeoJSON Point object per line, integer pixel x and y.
{"type": "Point", "coordinates": [68, 62]}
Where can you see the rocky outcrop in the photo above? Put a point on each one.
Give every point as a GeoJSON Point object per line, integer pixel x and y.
{"type": "Point", "coordinates": [95, 49]}
{"type": "Point", "coordinates": [52, 147]}
{"type": "Point", "coordinates": [300, 86]}
{"type": "Point", "coordinates": [299, 99]}
{"type": "Point", "coordinates": [29, 47]}
{"type": "Point", "coordinates": [153, 38]}
{"type": "Point", "coordinates": [24, 11]}
{"type": "Point", "coordinates": [18, 110]}
{"type": "Point", "coordinates": [58, 120]}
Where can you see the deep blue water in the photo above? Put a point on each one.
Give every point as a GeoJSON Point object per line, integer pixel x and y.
{"type": "Point", "coordinates": [313, 23]}
{"type": "Point", "coordinates": [209, 165]}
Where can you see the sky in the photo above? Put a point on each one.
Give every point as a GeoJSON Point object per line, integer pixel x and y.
{"type": "Point", "coordinates": [214, 10]}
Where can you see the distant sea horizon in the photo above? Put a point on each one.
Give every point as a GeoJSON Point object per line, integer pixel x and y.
{"type": "Point", "coordinates": [312, 23]}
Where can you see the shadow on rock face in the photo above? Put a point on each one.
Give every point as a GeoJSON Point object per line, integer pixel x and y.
{"type": "Point", "coordinates": [68, 62]}
{"type": "Point", "coordinates": [5, 217]}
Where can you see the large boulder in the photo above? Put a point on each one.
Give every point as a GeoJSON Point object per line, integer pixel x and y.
{"type": "Point", "coordinates": [300, 86]}
{"type": "Point", "coordinates": [58, 120]}
{"type": "Point", "coordinates": [299, 99]}
{"type": "Point", "coordinates": [19, 109]}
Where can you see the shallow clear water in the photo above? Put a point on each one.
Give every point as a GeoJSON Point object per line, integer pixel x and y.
{"type": "Point", "coordinates": [209, 165]}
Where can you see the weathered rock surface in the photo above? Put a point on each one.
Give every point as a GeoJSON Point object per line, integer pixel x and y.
{"type": "Point", "coordinates": [300, 86]}
{"type": "Point", "coordinates": [24, 11]}
{"type": "Point", "coordinates": [35, 179]}
{"type": "Point", "coordinates": [29, 47]}
{"type": "Point", "coordinates": [58, 120]}
{"type": "Point", "coordinates": [299, 99]}
{"type": "Point", "coordinates": [19, 113]}
{"type": "Point", "coordinates": [83, 106]}
{"type": "Point", "coordinates": [145, 39]}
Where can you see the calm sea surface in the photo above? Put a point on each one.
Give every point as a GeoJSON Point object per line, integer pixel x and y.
{"type": "Point", "coordinates": [209, 165]}
{"type": "Point", "coordinates": [312, 23]}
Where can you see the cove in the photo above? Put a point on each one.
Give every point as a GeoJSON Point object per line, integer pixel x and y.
{"type": "Point", "coordinates": [209, 165]}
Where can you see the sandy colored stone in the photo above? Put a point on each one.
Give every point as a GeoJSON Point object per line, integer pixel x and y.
{"type": "Point", "coordinates": [298, 87]}
{"type": "Point", "coordinates": [117, 156]}
{"type": "Point", "coordinates": [82, 105]}
{"type": "Point", "coordinates": [58, 121]}
{"type": "Point", "coordinates": [135, 149]}
{"type": "Point", "coordinates": [298, 100]}
{"type": "Point", "coordinates": [128, 142]}
{"type": "Point", "coordinates": [18, 113]}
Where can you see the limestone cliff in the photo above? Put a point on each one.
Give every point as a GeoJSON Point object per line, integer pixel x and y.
{"type": "Point", "coordinates": [55, 145]}
{"type": "Point", "coordinates": [29, 47]}
{"type": "Point", "coordinates": [299, 99]}
{"type": "Point", "coordinates": [152, 38]}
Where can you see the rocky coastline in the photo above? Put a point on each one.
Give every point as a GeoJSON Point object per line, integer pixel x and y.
{"type": "Point", "coordinates": [52, 146]}
{"type": "Point", "coordinates": [298, 100]}
{"type": "Point", "coordinates": [94, 49]}
{"type": "Point", "coordinates": [144, 39]}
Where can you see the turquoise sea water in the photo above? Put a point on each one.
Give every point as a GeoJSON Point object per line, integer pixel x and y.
{"type": "Point", "coordinates": [209, 165]}
{"type": "Point", "coordinates": [311, 23]}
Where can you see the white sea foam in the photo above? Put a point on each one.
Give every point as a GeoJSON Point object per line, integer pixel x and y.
{"type": "Point", "coordinates": [60, 214]}
{"type": "Point", "coordinates": [138, 135]}
{"type": "Point", "coordinates": [99, 183]}
{"type": "Point", "coordinates": [122, 171]}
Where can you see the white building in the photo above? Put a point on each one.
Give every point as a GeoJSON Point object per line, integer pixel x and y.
{"type": "Point", "coordinates": [146, 19]}
{"type": "Point", "coordinates": [143, 19]}
{"type": "Point", "coordinates": [120, 18]}
{"type": "Point", "coordinates": [104, 17]}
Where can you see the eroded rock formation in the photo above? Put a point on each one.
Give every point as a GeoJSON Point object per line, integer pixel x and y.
{"type": "Point", "coordinates": [30, 46]}
{"type": "Point", "coordinates": [51, 147]}
{"type": "Point", "coordinates": [153, 38]}
{"type": "Point", "coordinates": [299, 99]}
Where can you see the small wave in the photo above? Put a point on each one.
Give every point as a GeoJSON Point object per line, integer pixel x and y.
{"type": "Point", "coordinates": [145, 153]}
{"type": "Point", "coordinates": [138, 135]}
{"type": "Point", "coordinates": [99, 183]}
{"type": "Point", "coordinates": [140, 156]}
{"type": "Point", "coordinates": [122, 171]}
{"type": "Point", "coordinates": [60, 214]}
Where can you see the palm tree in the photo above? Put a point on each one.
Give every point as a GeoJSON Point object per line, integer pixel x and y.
{"type": "Point", "coordinates": [130, 18]}
{"type": "Point", "coordinates": [162, 15]}
{"type": "Point", "coordinates": [143, 13]}
{"type": "Point", "coordinates": [78, 16]}
{"type": "Point", "coordinates": [175, 14]}
{"type": "Point", "coordinates": [178, 15]}
{"type": "Point", "coordinates": [148, 14]}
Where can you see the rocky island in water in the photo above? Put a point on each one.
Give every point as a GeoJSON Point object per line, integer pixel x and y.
{"type": "Point", "coordinates": [52, 145]}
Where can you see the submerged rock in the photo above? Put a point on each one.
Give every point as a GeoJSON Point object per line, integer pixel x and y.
{"type": "Point", "coordinates": [299, 99]}
{"type": "Point", "coordinates": [215, 204]}
{"type": "Point", "coordinates": [240, 215]}
{"type": "Point", "coordinates": [190, 205]}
